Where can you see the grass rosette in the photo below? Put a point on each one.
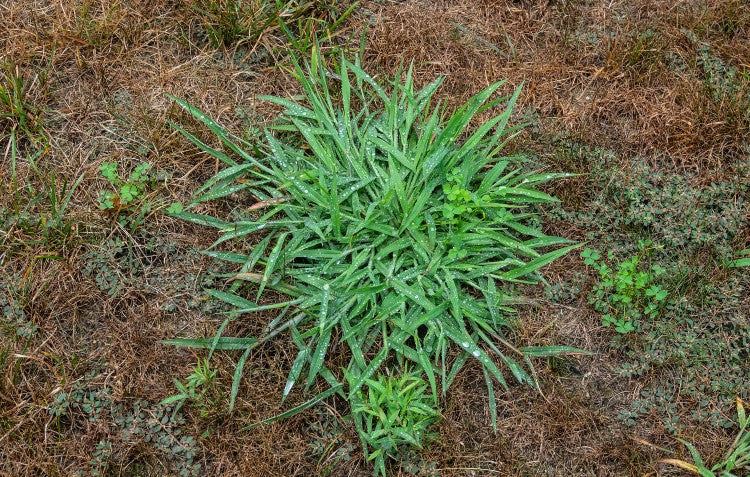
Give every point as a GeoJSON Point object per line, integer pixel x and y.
{"type": "Point", "coordinates": [388, 225]}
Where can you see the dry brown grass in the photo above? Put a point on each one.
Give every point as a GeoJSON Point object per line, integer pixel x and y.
{"type": "Point", "coordinates": [99, 70]}
{"type": "Point", "coordinates": [586, 70]}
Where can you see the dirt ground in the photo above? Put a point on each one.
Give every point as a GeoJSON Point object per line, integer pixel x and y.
{"type": "Point", "coordinates": [644, 80]}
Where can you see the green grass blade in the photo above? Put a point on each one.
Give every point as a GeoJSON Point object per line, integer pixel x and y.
{"type": "Point", "coordinates": [538, 263]}
{"type": "Point", "coordinates": [547, 351]}
{"type": "Point", "coordinates": [297, 409]}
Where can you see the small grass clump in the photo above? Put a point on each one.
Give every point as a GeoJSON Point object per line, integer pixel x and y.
{"type": "Point", "coordinates": [389, 228]}
{"type": "Point", "coordinates": [229, 22]}
{"type": "Point", "coordinates": [396, 412]}
{"type": "Point", "coordinates": [19, 117]}
{"type": "Point", "coordinates": [37, 213]}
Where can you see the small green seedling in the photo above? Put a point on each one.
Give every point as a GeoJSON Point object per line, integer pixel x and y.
{"type": "Point", "coordinates": [129, 198]}
{"type": "Point", "coordinates": [628, 293]}
{"type": "Point", "coordinates": [195, 387]}
{"type": "Point", "coordinates": [460, 201]}
{"type": "Point", "coordinates": [127, 191]}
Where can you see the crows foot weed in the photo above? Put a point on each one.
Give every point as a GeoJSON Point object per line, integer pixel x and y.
{"type": "Point", "coordinates": [387, 233]}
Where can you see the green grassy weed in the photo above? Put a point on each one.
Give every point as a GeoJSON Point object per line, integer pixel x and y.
{"type": "Point", "coordinates": [385, 233]}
